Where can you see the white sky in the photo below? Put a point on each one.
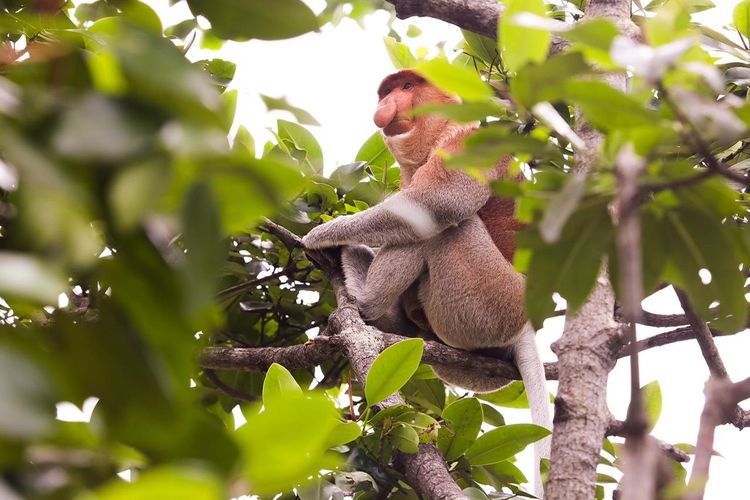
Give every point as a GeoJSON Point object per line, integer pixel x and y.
{"type": "Point", "coordinates": [334, 75]}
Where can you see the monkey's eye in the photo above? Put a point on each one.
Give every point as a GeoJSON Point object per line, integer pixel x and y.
{"type": "Point", "coordinates": [407, 86]}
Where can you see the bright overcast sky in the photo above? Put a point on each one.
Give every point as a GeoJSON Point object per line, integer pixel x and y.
{"type": "Point", "coordinates": [334, 74]}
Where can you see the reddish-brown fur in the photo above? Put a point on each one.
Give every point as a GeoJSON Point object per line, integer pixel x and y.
{"type": "Point", "coordinates": [498, 213]}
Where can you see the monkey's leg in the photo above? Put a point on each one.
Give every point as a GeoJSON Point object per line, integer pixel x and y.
{"type": "Point", "coordinates": [392, 272]}
{"type": "Point", "coordinates": [356, 261]}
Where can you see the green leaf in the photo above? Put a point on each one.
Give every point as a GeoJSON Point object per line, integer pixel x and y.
{"type": "Point", "coordinates": [281, 103]}
{"type": "Point", "coordinates": [399, 53]}
{"type": "Point", "coordinates": [698, 241]}
{"type": "Point", "coordinates": [429, 394]}
{"type": "Point", "coordinates": [153, 484]}
{"type": "Point", "coordinates": [671, 22]}
{"type": "Point", "coordinates": [741, 17]}
{"type": "Point", "coordinates": [97, 129]}
{"type": "Point", "coordinates": [28, 405]}
{"type": "Point", "coordinates": [492, 416]}
{"type": "Point", "coordinates": [405, 438]}
{"type": "Point", "coordinates": [464, 112]}
{"type": "Point", "coordinates": [520, 45]}
{"type": "Point", "coordinates": [482, 47]}
{"type": "Point", "coordinates": [295, 432]}
{"type": "Point", "coordinates": [206, 251]}
{"type": "Point", "coordinates": [608, 108]}
{"type": "Point", "coordinates": [545, 82]}
{"type": "Point", "coordinates": [392, 369]}
{"type": "Point", "coordinates": [652, 401]}
{"type": "Point", "coordinates": [463, 419]}
{"type": "Point", "coordinates": [474, 494]}
{"type": "Point", "coordinates": [304, 141]}
{"type": "Point", "coordinates": [561, 207]}
{"type": "Point", "coordinates": [220, 71]}
{"type": "Point", "coordinates": [279, 384]}
{"type": "Point", "coordinates": [245, 19]}
{"type": "Point", "coordinates": [571, 265]}
{"type": "Point", "coordinates": [345, 432]}
{"type": "Point", "coordinates": [463, 82]}
{"type": "Point", "coordinates": [594, 33]}
{"type": "Point", "coordinates": [504, 442]}
{"type": "Point", "coordinates": [23, 276]}
{"type": "Point", "coordinates": [375, 152]}
{"type": "Point", "coordinates": [243, 141]}
{"type": "Point", "coordinates": [348, 176]}
{"type": "Point", "coordinates": [501, 473]}
{"type": "Point", "coordinates": [181, 29]}
{"type": "Point", "coordinates": [512, 395]}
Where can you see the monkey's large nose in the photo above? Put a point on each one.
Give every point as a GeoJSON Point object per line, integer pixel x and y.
{"type": "Point", "coordinates": [385, 113]}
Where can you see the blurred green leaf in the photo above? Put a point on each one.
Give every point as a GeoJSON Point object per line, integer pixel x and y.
{"type": "Point", "coordinates": [697, 241]}
{"type": "Point", "coordinates": [607, 108]}
{"type": "Point", "coordinates": [463, 82]}
{"type": "Point", "coordinates": [571, 265]}
{"type": "Point", "coordinates": [281, 103]}
{"type": "Point", "coordinates": [652, 402]}
{"type": "Point", "coordinates": [519, 44]}
{"type": "Point", "coordinates": [399, 53]}
{"type": "Point", "coordinates": [23, 276]}
{"type": "Point", "coordinates": [205, 250]}
{"type": "Point", "coordinates": [392, 369]}
{"type": "Point", "coordinates": [482, 47]}
{"type": "Point", "coordinates": [28, 407]}
{"type": "Point", "coordinates": [166, 482]}
{"type": "Point", "coordinates": [741, 17]}
{"type": "Point", "coordinates": [245, 19]}
{"type": "Point", "coordinates": [294, 432]}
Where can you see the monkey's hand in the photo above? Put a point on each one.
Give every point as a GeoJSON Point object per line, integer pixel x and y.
{"type": "Point", "coordinates": [331, 234]}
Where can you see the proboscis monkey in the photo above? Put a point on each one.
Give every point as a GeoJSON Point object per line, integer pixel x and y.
{"type": "Point", "coordinates": [444, 237]}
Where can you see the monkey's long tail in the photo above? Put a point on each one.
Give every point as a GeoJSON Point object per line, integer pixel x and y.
{"type": "Point", "coordinates": [531, 368]}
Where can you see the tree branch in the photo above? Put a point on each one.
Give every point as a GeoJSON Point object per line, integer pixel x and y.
{"type": "Point", "coordinates": [477, 16]}
{"type": "Point", "coordinates": [426, 470]}
{"type": "Point", "coordinates": [617, 428]}
{"type": "Point", "coordinates": [722, 397]}
{"type": "Point", "coordinates": [590, 342]}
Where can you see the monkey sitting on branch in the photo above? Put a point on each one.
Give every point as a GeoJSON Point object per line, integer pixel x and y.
{"type": "Point", "coordinates": [445, 245]}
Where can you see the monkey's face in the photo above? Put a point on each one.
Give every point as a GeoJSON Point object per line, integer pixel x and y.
{"type": "Point", "coordinates": [399, 93]}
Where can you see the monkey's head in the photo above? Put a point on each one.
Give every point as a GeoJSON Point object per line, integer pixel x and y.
{"type": "Point", "coordinates": [410, 138]}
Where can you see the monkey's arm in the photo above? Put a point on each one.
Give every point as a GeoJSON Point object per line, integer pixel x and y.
{"type": "Point", "coordinates": [435, 200]}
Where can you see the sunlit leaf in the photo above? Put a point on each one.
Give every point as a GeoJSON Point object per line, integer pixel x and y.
{"type": "Point", "coordinates": [279, 384]}
{"type": "Point", "coordinates": [463, 419]}
{"type": "Point", "coordinates": [519, 44]}
{"type": "Point", "coordinates": [463, 82]}
{"type": "Point", "coordinates": [504, 442]}
{"type": "Point", "coordinates": [392, 369]}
